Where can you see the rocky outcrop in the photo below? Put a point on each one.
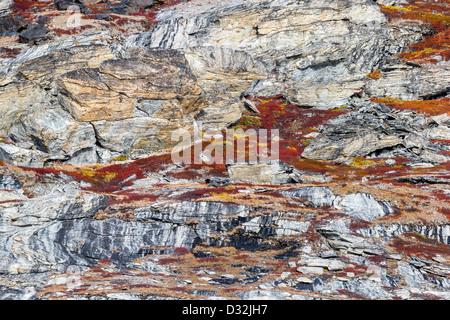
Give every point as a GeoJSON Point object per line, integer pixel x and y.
{"type": "Point", "coordinates": [400, 81]}
{"type": "Point", "coordinates": [365, 207]}
{"type": "Point", "coordinates": [92, 207]}
{"type": "Point", "coordinates": [111, 91]}
{"type": "Point", "coordinates": [318, 196]}
{"type": "Point", "coordinates": [218, 56]}
{"type": "Point", "coordinates": [376, 130]}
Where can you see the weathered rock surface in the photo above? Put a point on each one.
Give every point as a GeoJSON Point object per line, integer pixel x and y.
{"type": "Point", "coordinates": [218, 56]}
{"type": "Point", "coordinates": [412, 83]}
{"type": "Point", "coordinates": [274, 172]}
{"type": "Point", "coordinates": [318, 196]}
{"type": "Point", "coordinates": [375, 130]}
{"type": "Point", "coordinates": [356, 209]}
{"type": "Point", "coordinates": [364, 206]}
{"type": "Point", "coordinates": [52, 131]}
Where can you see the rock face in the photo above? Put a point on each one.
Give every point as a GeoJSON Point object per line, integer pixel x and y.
{"type": "Point", "coordinates": [198, 63]}
{"type": "Point", "coordinates": [318, 196]}
{"type": "Point", "coordinates": [364, 206]}
{"type": "Point", "coordinates": [399, 82]}
{"type": "Point", "coordinates": [375, 130]}
{"type": "Point", "coordinates": [354, 206]}
{"type": "Point", "coordinates": [111, 91]}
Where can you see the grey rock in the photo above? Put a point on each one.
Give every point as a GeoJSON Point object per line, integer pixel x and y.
{"type": "Point", "coordinates": [210, 216]}
{"type": "Point", "coordinates": [218, 182]}
{"type": "Point", "coordinates": [365, 207]}
{"type": "Point", "coordinates": [331, 264]}
{"type": "Point", "coordinates": [22, 157]}
{"type": "Point", "coordinates": [52, 131]}
{"type": "Point", "coordinates": [328, 254]}
{"type": "Point", "coordinates": [33, 34]}
{"type": "Point", "coordinates": [412, 83]}
{"type": "Point", "coordinates": [367, 288]}
{"type": "Point", "coordinates": [310, 270]}
{"type": "Point", "coordinates": [388, 2]}
{"type": "Point", "coordinates": [318, 196]}
{"type": "Point", "coordinates": [264, 295]}
{"type": "Point", "coordinates": [374, 131]}
{"type": "Point", "coordinates": [356, 244]}
{"type": "Point", "coordinates": [440, 233]}
{"type": "Point", "coordinates": [4, 7]}
{"type": "Point", "coordinates": [9, 182]}
{"type": "Point", "coordinates": [10, 23]}
{"type": "Point", "coordinates": [275, 173]}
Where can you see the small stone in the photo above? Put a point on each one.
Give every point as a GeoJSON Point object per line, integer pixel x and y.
{"type": "Point", "coordinates": [284, 276]}
{"type": "Point", "coordinates": [337, 265]}
{"type": "Point", "coordinates": [217, 182]}
{"type": "Point", "coordinates": [305, 280]}
{"type": "Point", "coordinates": [310, 270]}
{"type": "Point", "coordinates": [205, 279]}
{"type": "Point", "coordinates": [307, 249]}
{"type": "Point", "coordinates": [390, 161]}
{"type": "Point", "coordinates": [328, 254]}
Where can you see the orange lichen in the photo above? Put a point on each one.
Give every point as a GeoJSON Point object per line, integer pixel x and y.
{"type": "Point", "coordinates": [431, 107]}
{"type": "Point", "coordinates": [375, 75]}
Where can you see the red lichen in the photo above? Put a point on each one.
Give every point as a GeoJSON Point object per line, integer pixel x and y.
{"type": "Point", "coordinates": [180, 251]}
{"type": "Point", "coordinates": [164, 261]}
{"type": "Point", "coordinates": [294, 124]}
{"type": "Point", "coordinates": [414, 244]}
{"type": "Point", "coordinates": [27, 8]}
{"type": "Point", "coordinates": [9, 53]}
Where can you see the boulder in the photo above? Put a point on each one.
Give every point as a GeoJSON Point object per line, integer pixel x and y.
{"type": "Point", "coordinates": [52, 131]}
{"type": "Point", "coordinates": [33, 34]}
{"type": "Point", "coordinates": [365, 207]}
{"type": "Point", "coordinates": [318, 196]}
{"type": "Point", "coordinates": [111, 91]}
{"type": "Point", "coordinates": [10, 23]}
{"type": "Point", "coordinates": [45, 69]}
{"type": "Point", "coordinates": [275, 173]}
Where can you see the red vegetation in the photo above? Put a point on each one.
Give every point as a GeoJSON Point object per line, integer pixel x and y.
{"type": "Point", "coordinates": [164, 261]}
{"type": "Point", "coordinates": [413, 244]}
{"type": "Point", "coordinates": [148, 14]}
{"type": "Point", "coordinates": [294, 124]}
{"type": "Point", "coordinates": [26, 8]}
{"type": "Point", "coordinates": [357, 224]}
{"type": "Point", "coordinates": [434, 47]}
{"type": "Point", "coordinates": [180, 251]}
{"type": "Point", "coordinates": [9, 53]}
